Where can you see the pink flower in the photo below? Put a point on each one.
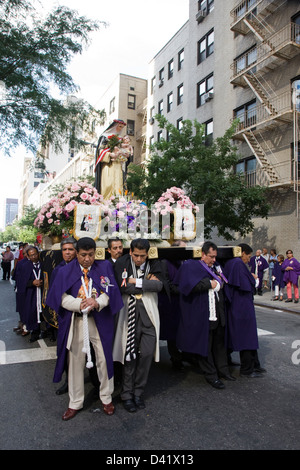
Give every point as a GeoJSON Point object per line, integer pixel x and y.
{"type": "Point", "coordinates": [84, 196]}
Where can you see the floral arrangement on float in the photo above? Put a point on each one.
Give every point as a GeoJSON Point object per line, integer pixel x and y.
{"type": "Point", "coordinates": [56, 217]}
{"type": "Point", "coordinates": [177, 213]}
{"type": "Point", "coordinates": [79, 210]}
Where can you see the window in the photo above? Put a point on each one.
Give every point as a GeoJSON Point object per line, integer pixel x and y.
{"type": "Point", "coordinates": [161, 77]}
{"type": "Point", "coordinates": [206, 5]}
{"type": "Point", "coordinates": [153, 83]}
{"type": "Point", "coordinates": [151, 141]}
{"type": "Point", "coordinates": [170, 68]}
{"type": "Point", "coordinates": [161, 107]}
{"type": "Point", "coordinates": [296, 93]}
{"type": "Point", "coordinates": [152, 113]}
{"type": "Point", "coordinates": [179, 124]}
{"type": "Point", "coordinates": [209, 129]}
{"type": "Point", "coordinates": [131, 101]}
{"type": "Point", "coordinates": [247, 169]}
{"type": "Point", "coordinates": [246, 115]}
{"type": "Point", "coordinates": [159, 136]}
{"type": "Point", "coordinates": [130, 127]}
{"type": "Point", "coordinates": [180, 94]}
{"type": "Point", "coordinates": [295, 164]}
{"type": "Point", "coordinates": [112, 105]}
{"type": "Point", "coordinates": [296, 28]}
{"type": "Point", "coordinates": [169, 102]}
{"type": "Point", "coordinates": [180, 59]}
{"type": "Point", "coordinates": [205, 46]}
{"type": "Point", "coordinates": [246, 59]}
{"type": "Point", "coordinates": [203, 88]}
{"type": "Point", "coordinates": [245, 6]}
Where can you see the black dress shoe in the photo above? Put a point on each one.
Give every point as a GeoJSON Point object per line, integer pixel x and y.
{"type": "Point", "coordinates": [129, 405]}
{"type": "Point", "coordinates": [33, 338]}
{"type": "Point", "coordinates": [296, 301]}
{"type": "Point", "coordinates": [259, 369]}
{"type": "Point", "coordinates": [217, 384]}
{"type": "Point", "coordinates": [288, 300]}
{"type": "Point", "coordinates": [63, 389]}
{"type": "Point", "coordinates": [253, 375]}
{"type": "Point", "coordinates": [228, 377]}
{"type": "Point", "coordinates": [140, 404]}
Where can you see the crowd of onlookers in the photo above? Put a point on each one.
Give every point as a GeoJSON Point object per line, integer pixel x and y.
{"type": "Point", "coordinates": [277, 273]}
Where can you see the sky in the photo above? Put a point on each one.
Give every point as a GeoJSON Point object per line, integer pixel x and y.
{"type": "Point", "coordinates": [136, 31]}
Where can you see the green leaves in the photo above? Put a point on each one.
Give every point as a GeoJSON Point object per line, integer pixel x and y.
{"type": "Point", "coordinates": [34, 56]}
{"type": "Point", "coordinates": [206, 170]}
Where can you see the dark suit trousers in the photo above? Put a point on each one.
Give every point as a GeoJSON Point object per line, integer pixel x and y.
{"type": "Point", "coordinates": [215, 363]}
{"type": "Point", "coordinates": [136, 371]}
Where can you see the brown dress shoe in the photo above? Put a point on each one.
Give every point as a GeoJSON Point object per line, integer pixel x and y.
{"type": "Point", "coordinates": [69, 414]}
{"type": "Point", "coordinates": [109, 409]}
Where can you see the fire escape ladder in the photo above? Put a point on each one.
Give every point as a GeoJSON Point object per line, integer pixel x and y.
{"type": "Point", "coordinates": [255, 85]}
{"type": "Point", "coordinates": [260, 28]}
{"type": "Point", "coordinates": [260, 156]}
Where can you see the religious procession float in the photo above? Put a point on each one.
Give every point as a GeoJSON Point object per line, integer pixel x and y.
{"type": "Point", "coordinates": [174, 225]}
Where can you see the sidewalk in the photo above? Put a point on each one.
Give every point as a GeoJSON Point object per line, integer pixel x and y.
{"type": "Point", "coordinates": [265, 300]}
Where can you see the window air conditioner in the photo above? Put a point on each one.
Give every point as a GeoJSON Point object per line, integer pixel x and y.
{"type": "Point", "coordinates": [208, 96]}
{"type": "Point", "coordinates": [201, 15]}
{"type": "Point", "coordinates": [161, 82]}
{"type": "Point", "coordinates": [151, 120]}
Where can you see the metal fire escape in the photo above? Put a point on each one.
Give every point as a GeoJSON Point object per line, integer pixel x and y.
{"type": "Point", "coordinates": [142, 132]}
{"type": "Point", "coordinates": [272, 49]}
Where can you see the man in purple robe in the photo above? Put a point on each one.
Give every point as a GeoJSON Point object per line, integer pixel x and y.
{"type": "Point", "coordinates": [291, 269]}
{"type": "Point", "coordinates": [202, 322]}
{"type": "Point", "coordinates": [86, 297]}
{"type": "Point", "coordinates": [68, 253]}
{"type": "Point", "coordinates": [29, 288]}
{"type": "Point", "coordinates": [241, 320]}
{"type": "Point", "coordinates": [258, 265]}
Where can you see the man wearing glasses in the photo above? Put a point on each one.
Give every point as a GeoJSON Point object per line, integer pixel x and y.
{"type": "Point", "coordinates": [137, 335]}
{"type": "Point", "coordinates": [202, 324]}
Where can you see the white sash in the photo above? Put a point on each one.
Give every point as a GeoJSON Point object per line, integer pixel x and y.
{"type": "Point", "coordinates": [86, 340]}
{"type": "Point", "coordinates": [38, 296]}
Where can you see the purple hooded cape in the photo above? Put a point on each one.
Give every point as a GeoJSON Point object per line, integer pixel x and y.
{"type": "Point", "coordinates": [291, 276]}
{"type": "Point", "coordinates": [168, 303]}
{"type": "Point", "coordinates": [193, 329]}
{"type": "Point", "coordinates": [68, 280]}
{"type": "Point", "coordinates": [241, 320]}
{"type": "Point", "coordinates": [262, 265]}
{"type": "Point", "coordinates": [26, 293]}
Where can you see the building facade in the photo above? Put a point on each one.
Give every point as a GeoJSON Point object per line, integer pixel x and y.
{"type": "Point", "coordinates": [125, 99]}
{"type": "Point", "coordinates": [240, 60]}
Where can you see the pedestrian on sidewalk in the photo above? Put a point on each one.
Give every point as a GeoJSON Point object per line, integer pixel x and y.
{"type": "Point", "coordinates": [277, 278]}
{"type": "Point", "coordinates": [291, 269]}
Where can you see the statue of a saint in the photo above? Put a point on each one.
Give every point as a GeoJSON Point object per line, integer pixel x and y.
{"type": "Point", "coordinates": [112, 154]}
